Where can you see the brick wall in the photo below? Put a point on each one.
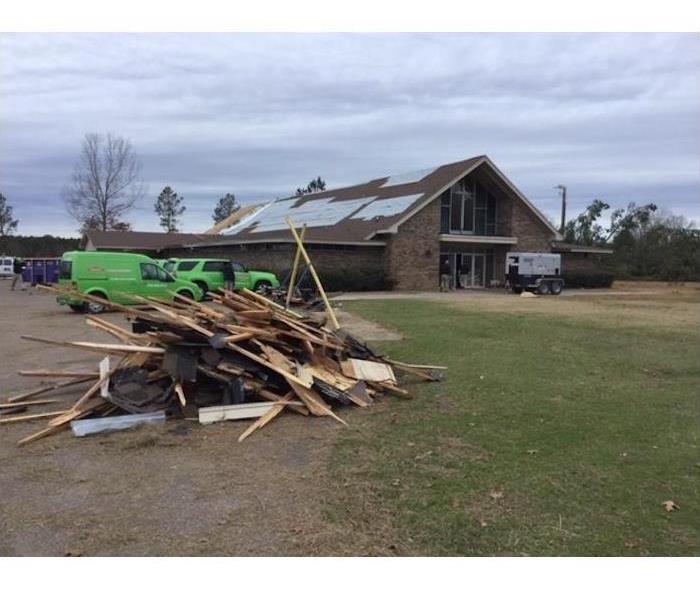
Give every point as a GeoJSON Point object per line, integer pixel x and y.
{"type": "Point", "coordinates": [533, 235]}
{"type": "Point", "coordinates": [278, 258]}
{"type": "Point", "coordinates": [412, 257]}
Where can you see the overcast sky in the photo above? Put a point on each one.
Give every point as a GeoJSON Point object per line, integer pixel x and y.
{"type": "Point", "coordinates": [615, 117]}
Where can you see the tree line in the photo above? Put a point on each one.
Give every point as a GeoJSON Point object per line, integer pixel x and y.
{"type": "Point", "coordinates": [646, 243]}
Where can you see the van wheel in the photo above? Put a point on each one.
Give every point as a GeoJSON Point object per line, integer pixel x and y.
{"type": "Point", "coordinates": [517, 290]}
{"type": "Point", "coordinates": [186, 294]}
{"type": "Point", "coordinates": [262, 287]}
{"type": "Point", "coordinates": [202, 286]}
{"type": "Point", "coordinates": [79, 308]}
{"type": "Point", "coordinates": [95, 308]}
{"type": "Point", "coordinates": [543, 288]}
{"type": "Point", "coordinates": [555, 288]}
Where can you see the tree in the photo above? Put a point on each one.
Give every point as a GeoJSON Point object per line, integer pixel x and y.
{"type": "Point", "coordinates": [106, 182]}
{"type": "Point", "coordinates": [7, 223]}
{"type": "Point", "coordinates": [169, 207]}
{"type": "Point", "coordinates": [227, 206]}
{"type": "Point", "coordinates": [585, 229]}
{"type": "Point", "coordinates": [315, 185]}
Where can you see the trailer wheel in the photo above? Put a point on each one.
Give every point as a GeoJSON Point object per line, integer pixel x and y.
{"type": "Point", "coordinates": [543, 288]}
{"type": "Point", "coordinates": [555, 288]}
{"type": "Point", "coordinates": [517, 290]}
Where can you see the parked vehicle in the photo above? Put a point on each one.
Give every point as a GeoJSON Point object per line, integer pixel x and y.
{"type": "Point", "coordinates": [6, 263]}
{"type": "Point", "coordinates": [208, 274]}
{"type": "Point", "coordinates": [540, 273]}
{"type": "Point", "coordinates": [110, 275]}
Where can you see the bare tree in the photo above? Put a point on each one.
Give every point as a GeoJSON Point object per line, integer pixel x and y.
{"type": "Point", "coordinates": [7, 224]}
{"type": "Point", "coordinates": [106, 182]}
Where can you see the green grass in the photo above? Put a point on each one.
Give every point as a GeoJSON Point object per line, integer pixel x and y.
{"type": "Point", "coordinates": [584, 428]}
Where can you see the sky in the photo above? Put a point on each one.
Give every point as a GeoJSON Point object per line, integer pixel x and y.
{"type": "Point", "coordinates": [615, 117]}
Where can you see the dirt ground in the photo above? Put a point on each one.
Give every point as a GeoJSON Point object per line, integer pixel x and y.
{"type": "Point", "coordinates": [175, 489]}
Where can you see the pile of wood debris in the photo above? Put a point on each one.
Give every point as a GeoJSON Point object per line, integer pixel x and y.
{"type": "Point", "coordinates": [239, 356]}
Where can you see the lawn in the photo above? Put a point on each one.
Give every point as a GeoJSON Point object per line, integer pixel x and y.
{"type": "Point", "coordinates": [551, 435]}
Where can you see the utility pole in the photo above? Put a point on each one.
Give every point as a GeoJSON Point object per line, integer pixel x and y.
{"type": "Point", "coordinates": [562, 189]}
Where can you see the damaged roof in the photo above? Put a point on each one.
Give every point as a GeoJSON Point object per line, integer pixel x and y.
{"type": "Point", "coordinates": [358, 213]}
{"type": "Point", "coordinates": [142, 240]}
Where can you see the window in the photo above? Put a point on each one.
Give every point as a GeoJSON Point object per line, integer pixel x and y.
{"type": "Point", "coordinates": [149, 272]}
{"type": "Point", "coordinates": [468, 207]}
{"type": "Point", "coordinates": [65, 270]}
{"type": "Point", "coordinates": [187, 265]}
{"type": "Point", "coordinates": [213, 266]}
{"type": "Point", "coordinates": [238, 268]}
{"type": "Point", "coordinates": [163, 275]}
{"type": "Point", "coordinates": [445, 212]}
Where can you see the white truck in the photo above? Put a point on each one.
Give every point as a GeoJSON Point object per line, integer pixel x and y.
{"type": "Point", "coordinates": [532, 271]}
{"type": "Point", "coordinates": [6, 263]}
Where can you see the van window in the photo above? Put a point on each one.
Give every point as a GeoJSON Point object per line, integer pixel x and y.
{"type": "Point", "coordinates": [213, 266]}
{"type": "Point", "coordinates": [65, 270]}
{"type": "Point", "coordinates": [163, 275]}
{"type": "Point", "coordinates": [7, 262]}
{"type": "Point", "coordinates": [149, 272]}
{"type": "Point", "coordinates": [187, 265]}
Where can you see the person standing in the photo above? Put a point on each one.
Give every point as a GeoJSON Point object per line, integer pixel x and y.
{"type": "Point", "coordinates": [17, 268]}
{"type": "Point", "coordinates": [445, 275]}
{"type": "Point", "coordinates": [229, 276]}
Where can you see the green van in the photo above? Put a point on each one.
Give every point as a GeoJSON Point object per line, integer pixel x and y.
{"type": "Point", "coordinates": [110, 274]}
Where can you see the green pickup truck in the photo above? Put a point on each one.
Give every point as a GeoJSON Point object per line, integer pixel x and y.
{"type": "Point", "coordinates": [208, 274]}
{"type": "Point", "coordinates": [110, 275]}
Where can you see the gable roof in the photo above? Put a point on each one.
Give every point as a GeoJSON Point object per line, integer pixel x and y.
{"type": "Point", "coordinates": [358, 213]}
{"type": "Point", "coordinates": [142, 240]}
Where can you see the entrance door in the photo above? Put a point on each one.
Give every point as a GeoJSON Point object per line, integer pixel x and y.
{"type": "Point", "coordinates": [479, 270]}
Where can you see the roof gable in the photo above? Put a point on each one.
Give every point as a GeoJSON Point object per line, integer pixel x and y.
{"type": "Point", "coordinates": [360, 212]}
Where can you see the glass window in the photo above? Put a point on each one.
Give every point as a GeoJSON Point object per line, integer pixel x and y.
{"type": "Point", "coordinates": [468, 219]}
{"type": "Point", "coordinates": [187, 265]}
{"type": "Point", "coordinates": [149, 272]}
{"type": "Point", "coordinates": [491, 216]}
{"type": "Point", "coordinates": [456, 211]}
{"type": "Point", "coordinates": [213, 266]}
{"type": "Point", "coordinates": [65, 270]}
{"type": "Point", "coordinates": [239, 268]}
{"type": "Point", "coordinates": [163, 275]}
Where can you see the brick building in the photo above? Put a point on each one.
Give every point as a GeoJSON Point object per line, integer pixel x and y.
{"type": "Point", "coordinates": [462, 217]}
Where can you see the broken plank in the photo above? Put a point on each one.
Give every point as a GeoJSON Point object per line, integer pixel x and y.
{"type": "Point", "coordinates": [49, 388]}
{"type": "Point", "coordinates": [248, 410]}
{"type": "Point", "coordinates": [262, 421]}
{"type": "Point", "coordinates": [31, 417]}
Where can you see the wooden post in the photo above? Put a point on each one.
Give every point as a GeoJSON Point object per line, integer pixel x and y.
{"type": "Point", "coordinates": [295, 266]}
{"type": "Point", "coordinates": [300, 245]}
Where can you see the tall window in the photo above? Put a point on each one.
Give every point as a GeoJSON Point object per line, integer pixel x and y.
{"type": "Point", "coordinates": [468, 207]}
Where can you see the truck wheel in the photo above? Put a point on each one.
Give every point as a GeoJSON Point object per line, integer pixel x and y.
{"type": "Point", "coordinates": [517, 290]}
{"type": "Point", "coordinates": [79, 308]}
{"type": "Point", "coordinates": [543, 288]}
{"type": "Point", "coordinates": [202, 286]}
{"type": "Point", "coordinates": [95, 308]}
{"type": "Point", "coordinates": [262, 287]}
{"type": "Point", "coordinates": [555, 288]}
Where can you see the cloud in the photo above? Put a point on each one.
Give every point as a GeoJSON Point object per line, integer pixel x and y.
{"type": "Point", "coordinates": [612, 116]}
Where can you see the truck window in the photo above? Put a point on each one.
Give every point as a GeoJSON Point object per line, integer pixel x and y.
{"type": "Point", "coordinates": [65, 270]}
{"type": "Point", "coordinates": [149, 272]}
{"type": "Point", "coordinates": [187, 265]}
{"type": "Point", "coordinates": [213, 266]}
{"type": "Point", "coordinates": [239, 268]}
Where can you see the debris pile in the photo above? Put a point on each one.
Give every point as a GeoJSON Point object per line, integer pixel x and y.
{"type": "Point", "coordinates": [239, 356]}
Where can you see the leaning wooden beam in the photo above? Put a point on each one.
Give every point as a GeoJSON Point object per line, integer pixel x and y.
{"type": "Point", "coordinates": [97, 347]}
{"type": "Point", "coordinates": [31, 417]}
{"type": "Point", "coordinates": [40, 373]}
{"type": "Point", "coordinates": [293, 276]}
{"type": "Point", "coordinates": [50, 388]}
{"type": "Point", "coordinates": [32, 403]}
{"type": "Point", "coordinates": [232, 219]}
{"type": "Point", "coordinates": [312, 270]}
{"type": "Point", "coordinates": [254, 357]}
{"type": "Point", "coordinates": [262, 421]}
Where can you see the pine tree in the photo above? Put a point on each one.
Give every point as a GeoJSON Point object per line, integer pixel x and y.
{"type": "Point", "coordinates": [227, 205]}
{"type": "Point", "coordinates": [7, 223]}
{"type": "Point", "coordinates": [315, 185]}
{"type": "Point", "coordinates": [169, 207]}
